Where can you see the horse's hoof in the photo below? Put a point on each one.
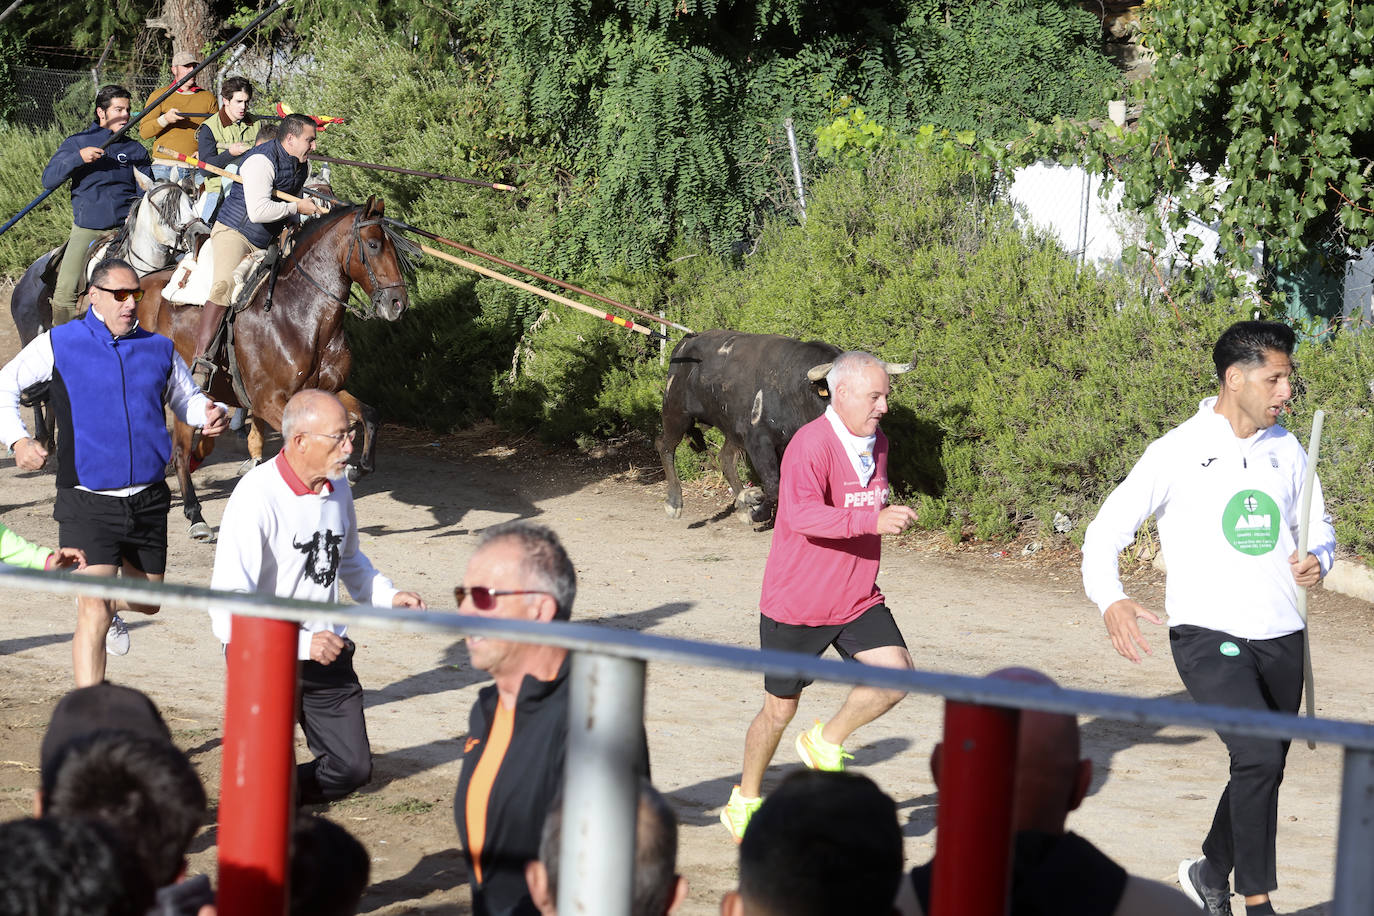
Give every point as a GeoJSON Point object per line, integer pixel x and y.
{"type": "Point", "coordinates": [672, 511]}
{"type": "Point", "coordinates": [749, 498]}
{"type": "Point", "coordinates": [202, 532]}
{"type": "Point", "coordinates": [248, 465]}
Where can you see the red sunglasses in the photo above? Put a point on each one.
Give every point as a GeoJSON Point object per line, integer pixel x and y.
{"type": "Point", "coordinates": [484, 599]}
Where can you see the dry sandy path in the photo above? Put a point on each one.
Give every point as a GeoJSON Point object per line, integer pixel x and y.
{"type": "Point", "coordinates": [967, 611]}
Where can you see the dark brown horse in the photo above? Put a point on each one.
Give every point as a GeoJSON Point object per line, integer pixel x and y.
{"type": "Point", "coordinates": [297, 341]}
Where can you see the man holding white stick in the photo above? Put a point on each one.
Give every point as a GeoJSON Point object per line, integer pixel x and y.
{"type": "Point", "coordinates": [1225, 489]}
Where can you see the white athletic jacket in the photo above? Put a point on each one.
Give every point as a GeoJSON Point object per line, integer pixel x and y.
{"type": "Point", "coordinates": [1227, 510]}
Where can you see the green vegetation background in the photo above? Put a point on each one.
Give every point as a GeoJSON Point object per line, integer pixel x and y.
{"type": "Point", "coordinates": [648, 142]}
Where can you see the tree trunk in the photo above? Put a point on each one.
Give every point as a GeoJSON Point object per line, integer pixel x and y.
{"type": "Point", "coordinates": [190, 24]}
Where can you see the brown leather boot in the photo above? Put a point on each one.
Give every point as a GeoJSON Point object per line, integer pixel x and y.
{"type": "Point", "coordinates": [203, 370]}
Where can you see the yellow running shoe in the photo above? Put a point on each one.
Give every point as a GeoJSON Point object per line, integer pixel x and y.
{"type": "Point", "coordinates": [819, 754]}
{"type": "Point", "coordinates": [737, 812]}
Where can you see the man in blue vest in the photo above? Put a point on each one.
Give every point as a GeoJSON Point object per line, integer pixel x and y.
{"type": "Point", "coordinates": [250, 219]}
{"type": "Point", "coordinates": [103, 189]}
{"type": "Point", "coordinates": [109, 380]}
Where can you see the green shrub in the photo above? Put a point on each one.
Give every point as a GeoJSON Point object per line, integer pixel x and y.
{"type": "Point", "coordinates": [21, 180]}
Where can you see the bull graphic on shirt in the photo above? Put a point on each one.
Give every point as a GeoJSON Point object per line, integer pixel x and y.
{"type": "Point", "coordinates": [321, 556]}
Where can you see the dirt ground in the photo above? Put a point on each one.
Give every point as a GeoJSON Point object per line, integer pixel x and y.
{"type": "Point", "coordinates": [968, 610]}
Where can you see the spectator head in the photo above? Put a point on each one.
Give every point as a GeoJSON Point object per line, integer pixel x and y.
{"type": "Point", "coordinates": [658, 888]}
{"type": "Point", "coordinates": [103, 274]}
{"type": "Point", "coordinates": [112, 107]}
{"type": "Point", "coordinates": [822, 844]}
{"type": "Point", "coordinates": [100, 707]}
{"type": "Point", "coordinates": [520, 571]}
{"type": "Point", "coordinates": [329, 869]}
{"type": "Point", "coordinates": [316, 437]}
{"type": "Point", "coordinates": [1051, 780]}
{"type": "Point", "coordinates": [143, 789]}
{"type": "Point", "coordinates": [267, 130]}
{"type": "Point", "coordinates": [67, 867]}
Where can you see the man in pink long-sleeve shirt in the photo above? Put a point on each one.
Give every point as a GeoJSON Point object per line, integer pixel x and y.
{"type": "Point", "coordinates": [819, 585]}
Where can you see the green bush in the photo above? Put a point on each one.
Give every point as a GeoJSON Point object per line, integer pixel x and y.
{"type": "Point", "coordinates": [21, 173]}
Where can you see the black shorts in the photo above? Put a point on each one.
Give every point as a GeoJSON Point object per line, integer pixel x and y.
{"type": "Point", "coordinates": [873, 629]}
{"type": "Point", "coordinates": [116, 529]}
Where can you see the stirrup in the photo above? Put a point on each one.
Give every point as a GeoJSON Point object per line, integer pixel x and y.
{"type": "Point", "coordinates": [203, 371]}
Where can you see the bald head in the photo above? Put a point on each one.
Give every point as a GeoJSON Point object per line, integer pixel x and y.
{"type": "Point", "coordinates": [308, 408]}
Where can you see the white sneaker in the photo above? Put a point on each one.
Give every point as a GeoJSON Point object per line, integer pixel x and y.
{"type": "Point", "coordinates": [117, 637]}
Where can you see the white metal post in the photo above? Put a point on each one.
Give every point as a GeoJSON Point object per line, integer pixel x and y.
{"type": "Point", "coordinates": [596, 851]}
{"type": "Point", "coordinates": [1354, 890]}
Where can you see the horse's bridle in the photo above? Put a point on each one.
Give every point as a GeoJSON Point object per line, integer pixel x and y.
{"type": "Point", "coordinates": [183, 242]}
{"type": "Point", "coordinates": [355, 244]}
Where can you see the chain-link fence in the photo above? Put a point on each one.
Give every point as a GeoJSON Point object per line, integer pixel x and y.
{"type": "Point", "coordinates": [47, 96]}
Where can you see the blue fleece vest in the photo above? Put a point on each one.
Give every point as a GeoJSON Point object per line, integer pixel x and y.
{"type": "Point", "coordinates": [288, 176]}
{"type": "Point", "coordinates": [107, 399]}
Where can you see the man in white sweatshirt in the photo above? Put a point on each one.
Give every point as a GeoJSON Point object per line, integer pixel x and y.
{"type": "Point", "coordinates": [290, 530]}
{"type": "Point", "coordinates": [1224, 488]}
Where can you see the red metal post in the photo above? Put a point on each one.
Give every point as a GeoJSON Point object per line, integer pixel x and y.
{"type": "Point", "coordinates": [972, 871]}
{"type": "Point", "coordinates": [257, 786]}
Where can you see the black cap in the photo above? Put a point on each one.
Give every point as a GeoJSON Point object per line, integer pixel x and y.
{"type": "Point", "coordinates": [99, 708]}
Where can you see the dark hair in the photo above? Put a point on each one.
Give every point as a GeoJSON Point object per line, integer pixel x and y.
{"type": "Point", "coordinates": [545, 565]}
{"type": "Point", "coordinates": [655, 850]}
{"type": "Point", "coordinates": [87, 710]}
{"type": "Point", "coordinates": [235, 84]}
{"type": "Point", "coordinates": [144, 789]}
{"type": "Point", "coordinates": [267, 130]}
{"type": "Point", "coordinates": [293, 125]}
{"type": "Point", "coordinates": [67, 867]}
{"type": "Point", "coordinates": [108, 266]}
{"type": "Point", "coordinates": [329, 869]}
{"type": "Point", "coordinates": [1249, 343]}
{"type": "Point", "coordinates": [108, 94]}
{"type": "Point", "coordinates": [822, 843]}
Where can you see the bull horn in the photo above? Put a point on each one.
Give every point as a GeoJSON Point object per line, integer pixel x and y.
{"type": "Point", "coordinates": [816, 373]}
{"type": "Point", "coordinates": [899, 368]}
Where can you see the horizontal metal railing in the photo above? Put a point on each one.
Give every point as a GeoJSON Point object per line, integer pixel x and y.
{"type": "Point", "coordinates": [1354, 884]}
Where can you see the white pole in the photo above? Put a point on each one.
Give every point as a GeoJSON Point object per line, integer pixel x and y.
{"type": "Point", "coordinates": [796, 166]}
{"type": "Point", "coordinates": [1304, 511]}
{"type": "Point", "coordinates": [596, 851]}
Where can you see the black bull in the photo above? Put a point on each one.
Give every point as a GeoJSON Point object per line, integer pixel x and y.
{"type": "Point", "coordinates": [758, 390]}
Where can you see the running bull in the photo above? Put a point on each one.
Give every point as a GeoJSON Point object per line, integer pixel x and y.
{"type": "Point", "coordinates": [757, 389]}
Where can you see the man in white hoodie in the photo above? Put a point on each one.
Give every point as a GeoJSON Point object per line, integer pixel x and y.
{"type": "Point", "coordinates": [1224, 488]}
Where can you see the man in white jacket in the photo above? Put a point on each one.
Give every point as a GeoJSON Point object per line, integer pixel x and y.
{"type": "Point", "coordinates": [290, 530]}
{"type": "Point", "coordinates": [1224, 488]}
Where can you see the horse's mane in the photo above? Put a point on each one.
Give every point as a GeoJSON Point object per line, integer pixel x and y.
{"type": "Point", "coordinates": [166, 209]}
{"type": "Point", "coordinates": [407, 252]}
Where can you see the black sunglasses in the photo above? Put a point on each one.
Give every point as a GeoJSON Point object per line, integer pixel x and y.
{"type": "Point", "coordinates": [484, 599]}
{"type": "Point", "coordinates": [122, 294]}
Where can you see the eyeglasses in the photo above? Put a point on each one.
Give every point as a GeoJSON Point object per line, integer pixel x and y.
{"type": "Point", "coordinates": [484, 599]}
{"type": "Point", "coordinates": [121, 294]}
{"type": "Point", "coordinates": [338, 438]}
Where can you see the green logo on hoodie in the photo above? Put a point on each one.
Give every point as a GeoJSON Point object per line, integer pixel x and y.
{"type": "Point", "coordinates": [1251, 522]}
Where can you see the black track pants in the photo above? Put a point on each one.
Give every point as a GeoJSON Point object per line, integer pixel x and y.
{"type": "Point", "coordinates": [331, 715]}
{"type": "Point", "coordinates": [1224, 670]}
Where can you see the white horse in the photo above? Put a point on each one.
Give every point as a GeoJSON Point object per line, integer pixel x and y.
{"type": "Point", "coordinates": [161, 227]}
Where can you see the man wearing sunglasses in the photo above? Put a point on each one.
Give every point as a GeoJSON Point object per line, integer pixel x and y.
{"type": "Point", "coordinates": [518, 728]}
{"type": "Point", "coordinates": [109, 379]}
{"type": "Point", "coordinates": [290, 531]}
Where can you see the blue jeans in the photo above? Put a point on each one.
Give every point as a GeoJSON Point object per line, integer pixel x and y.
{"type": "Point", "coordinates": [171, 172]}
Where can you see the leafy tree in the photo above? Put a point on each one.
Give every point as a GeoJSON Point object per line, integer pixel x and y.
{"type": "Point", "coordinates": [1276, 100]}
{"type": "Point", "coordinates": [660, 121]}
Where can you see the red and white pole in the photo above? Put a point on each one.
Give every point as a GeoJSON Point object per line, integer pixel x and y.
{"type": "Point", "coordinates": [257, 786]}
{"type": "Point", "coordinates": [973, 841]}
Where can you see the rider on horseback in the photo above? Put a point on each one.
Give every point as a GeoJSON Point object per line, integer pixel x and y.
{"type": "Point", "coordinates": [250, 220]}
{"type": "Point", "coordinates": [103, 189]}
